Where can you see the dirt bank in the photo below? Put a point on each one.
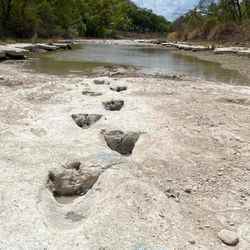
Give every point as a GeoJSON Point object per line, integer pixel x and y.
{"type": "Point", "coordinates": [185, 179]}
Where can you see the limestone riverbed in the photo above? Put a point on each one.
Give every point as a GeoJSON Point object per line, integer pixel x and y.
{"type": "Point", "coordinates": [183, 182]}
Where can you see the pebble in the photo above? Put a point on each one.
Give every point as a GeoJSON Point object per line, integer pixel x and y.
{"type": "Point", "coordinates": [229, 238]}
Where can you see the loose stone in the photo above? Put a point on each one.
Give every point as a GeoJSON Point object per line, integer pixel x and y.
{"type": "Point", "coordinates": [228, 237]}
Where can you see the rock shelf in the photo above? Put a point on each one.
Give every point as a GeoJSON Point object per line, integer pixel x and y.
{"type": "Point", "coordinates": [21, 50]}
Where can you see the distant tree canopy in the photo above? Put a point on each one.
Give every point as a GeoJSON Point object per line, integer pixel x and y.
{"type": "Point", "coordinates": [215, 18]}
{"type": "Point", "coordinates": [98, 18]}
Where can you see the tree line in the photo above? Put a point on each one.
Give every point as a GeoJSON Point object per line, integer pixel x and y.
{"type": "Point", "coordinates": [211, 19]}
{"type": "Point", "coordinates": [70, 18]}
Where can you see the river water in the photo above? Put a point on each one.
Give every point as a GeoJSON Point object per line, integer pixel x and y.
{"type": "Point", "coordinates": [149, 60]}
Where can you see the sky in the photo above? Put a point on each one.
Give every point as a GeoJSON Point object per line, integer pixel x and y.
{"type": "Point", "coordinates": [171, 9]}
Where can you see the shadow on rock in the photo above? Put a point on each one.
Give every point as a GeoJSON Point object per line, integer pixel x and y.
{"type": "Point", "coordinates": [113, 105]}
{"type": "Point", "coordinates": [71, 180]}
{"type": "Point", "coordinates": [91, 93]}
{"type": "Point", "coordinates": [119, 88]}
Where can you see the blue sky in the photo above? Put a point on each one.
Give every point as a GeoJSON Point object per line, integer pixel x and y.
{"type": "Point", "coordinates": [171, 9]}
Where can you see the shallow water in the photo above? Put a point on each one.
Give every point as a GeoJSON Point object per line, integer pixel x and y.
{"type": "Point", "coordinates": [149, 60]}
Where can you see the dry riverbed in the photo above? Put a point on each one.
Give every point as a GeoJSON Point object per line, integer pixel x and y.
{"type": "Point", "coordinates": [122, 163]}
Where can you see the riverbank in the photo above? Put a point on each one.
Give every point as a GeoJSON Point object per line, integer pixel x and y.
{"type": "Point", "coordinates": [186, 179]}
{"type": "Point", "coordinates": [227, 61]}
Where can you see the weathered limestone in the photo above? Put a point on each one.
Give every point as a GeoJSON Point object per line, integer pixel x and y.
{"type": "Point", "coordinates": [244, 52]}
{"type": "Point", "coordinates": [26, 46]}
{"type": "Point", "coordinates": [13, 52]}
{"type": "Point", "coordinates": [86, 120]}
{"type": "Point", "coordinates": [187, 46]}
{"type": "Point", "coordinates": [121, 142]}
{"type": "Point", "coordinates": [47, 47]}
{"type": "Point", "coordinates": [62, 45]}
{"type": "Point", "coordinates": [228, 50]}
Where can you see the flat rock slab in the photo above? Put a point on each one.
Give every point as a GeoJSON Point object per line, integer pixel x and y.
{"type": "Point", "coordinates": [62, 45]}
{"type": "Point", "coordinates": [245, 52]}
{"type": "Point", "coordinates": [26, 46]}
{"type": "Point", "coordinates": [113, 105]}
{"type": "Point", "coordinates": [228, 237]}
{"type": "Point", "coordinates": [13, 52]}
{"type": "Point", "coordinates": [228, 50]}
{"type": "Point", "coordinates": [187, 46]}
{"type": "Point", "coordinates": [86, 120]}
{"type": "Point", "coordinates": [121, 142]}
{"type": "Point", "coordinates": [47, 47]}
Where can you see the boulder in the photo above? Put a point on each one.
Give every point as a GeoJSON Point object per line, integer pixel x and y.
{"type": "Point", "coordinates": [228, 237]}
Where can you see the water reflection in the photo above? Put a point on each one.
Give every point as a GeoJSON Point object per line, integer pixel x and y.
{"type": "Point", "coordinates": [148, 59]}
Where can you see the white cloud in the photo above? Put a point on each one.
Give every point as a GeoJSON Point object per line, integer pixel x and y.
{"type": "Point", "coordinates": [171, 9]}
